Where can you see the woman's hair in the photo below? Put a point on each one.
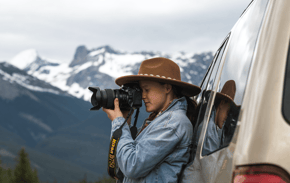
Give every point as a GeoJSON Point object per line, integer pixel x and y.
{"type": "Point", "coordinates": [191, 112]}
{"type": "Point", "coordinates": [191, 104]}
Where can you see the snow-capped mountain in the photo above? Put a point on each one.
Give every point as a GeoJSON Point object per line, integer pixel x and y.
{"type": "Point", "coordinates": [25, 99]}
{"type": "Point", "coordinates": [40, 116]}
{"type": "Point", "coordinates": [12, 77]}
{"type": "Point", "coordinates": [24, 58]}
{"type": "Point", "coordinates": [39, 110]}
{"type": "Point", "coordinates": [101, 66]}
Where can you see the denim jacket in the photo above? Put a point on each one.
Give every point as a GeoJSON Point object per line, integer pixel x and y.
{"type": "Point", "coordinates": [213, 136]}
{"type": "Point", "coordinates": [160, 150]}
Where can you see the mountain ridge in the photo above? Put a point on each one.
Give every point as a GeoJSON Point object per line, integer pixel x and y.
{"type": "Point", "coordinates": [102, 65]}
{"type": "Point", "coordinates": [45, 106]}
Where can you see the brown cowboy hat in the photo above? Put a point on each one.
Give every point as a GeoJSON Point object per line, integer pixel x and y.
{"type": "Point", "coordinates": [161, 70]}
{"type": "Point", "coordinates": [228, 91]}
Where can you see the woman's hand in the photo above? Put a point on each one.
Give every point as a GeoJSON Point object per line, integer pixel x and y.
{"type": "Point", "coordinates": [113, 114]}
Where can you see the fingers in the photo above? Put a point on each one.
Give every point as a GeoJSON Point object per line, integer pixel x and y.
{"type": "Point", "coordinates": [116, 104]}
{"type": "Point", "coordinates": [108, 111]}
{"type": "Point", "coordinates": [112, 114]}
{"type": "Point", "coordinates": [105, 109]}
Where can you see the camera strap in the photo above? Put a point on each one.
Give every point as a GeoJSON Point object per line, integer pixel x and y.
{"type": "Point", "coordinates": [133, 129]}
{"type": "Point", "coordinates": [113, 147]}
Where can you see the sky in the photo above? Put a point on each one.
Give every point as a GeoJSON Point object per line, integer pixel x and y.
{"type": "Point", "coordinates": [55, 28]}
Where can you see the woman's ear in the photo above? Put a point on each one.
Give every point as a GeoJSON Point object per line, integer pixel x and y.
{"type": "Point", "coordinates": [168, 88]}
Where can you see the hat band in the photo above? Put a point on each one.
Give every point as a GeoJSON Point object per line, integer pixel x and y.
{"type": "Point", "coordinates": [157, 76]}
{"type": "Point", "coordinates": [227, 96]}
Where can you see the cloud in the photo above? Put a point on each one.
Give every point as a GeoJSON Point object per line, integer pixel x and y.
{"type": "Point", "coordinates": [56, 28]}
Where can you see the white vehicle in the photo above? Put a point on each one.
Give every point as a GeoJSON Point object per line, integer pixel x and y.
{"type": "Point", "coordinates": [243, 125]}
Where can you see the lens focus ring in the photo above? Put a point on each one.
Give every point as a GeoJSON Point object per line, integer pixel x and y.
{"type": "Point", "coordinates": [110, 99]}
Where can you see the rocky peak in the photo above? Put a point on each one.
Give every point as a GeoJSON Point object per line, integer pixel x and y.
{"type": "Point", "coordinates": [109, 49]}
{"type": "Point", "coordinates": [80, 56]}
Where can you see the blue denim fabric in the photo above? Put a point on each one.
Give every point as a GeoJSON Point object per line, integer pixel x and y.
{"type": "Point", "coordinates": [213, 135]}
{"type": "Point", "coordinates": [160, 150]}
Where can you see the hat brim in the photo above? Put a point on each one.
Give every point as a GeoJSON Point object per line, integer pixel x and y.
{"type": "Point", "coordinates": [221, 96]}
{"type": "Point", "coordinates": [187, 88]}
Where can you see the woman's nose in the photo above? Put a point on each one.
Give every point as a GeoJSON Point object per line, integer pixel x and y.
{"type": "Point", "coordinates": [143, 95]}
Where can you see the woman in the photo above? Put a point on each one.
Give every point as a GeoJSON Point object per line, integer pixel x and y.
{"type": "Point", "coordinates": [215, 137]}
{"type": "Point", "coordinates": [162, 146]}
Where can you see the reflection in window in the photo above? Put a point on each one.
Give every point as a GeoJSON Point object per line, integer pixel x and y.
{"type": "Point", "coordinates": [223, 119]}
{"type": "Point", "coordinates": [203, 97]}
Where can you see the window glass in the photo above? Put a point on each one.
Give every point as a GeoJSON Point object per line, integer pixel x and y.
{"type": "Point", "coordinates": [286, 96]}
{"type": "Point", "coordinates": [231, 85]}
{"type": "Point", "coordinates": [223, 119]}
{"type": "Point", "coordinates": [203, 97]}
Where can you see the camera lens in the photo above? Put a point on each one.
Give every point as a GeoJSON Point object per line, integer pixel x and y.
{"type": "Point", "coordinates": [122, 96]}
{"type": "Point", "coordinates": [129, 96]}
{"type": "Point", "coordinates": [110, 99]}
{"type": "Point", "coordinates": [105, 98]}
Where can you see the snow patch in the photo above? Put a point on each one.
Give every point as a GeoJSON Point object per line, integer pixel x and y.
{"type": "Point", "coordinates": [36, 121]}
{"type": "Point", "coordinates": [38, 137]}
{"type": "Point", "coordinates": [192, 60]}
{"type": "Point", "coordinates": [94, 53]}
{"type": "Point", "coordinates": [203, 66]}
{"type": "Point", "coordinates": [57, 75]}
{"type": "Point", "coordinates": [83, 67]}
{"type": "Point", "coordinates": [24, 58]}
{"type": "Point", "coordinates": [188, 76]}
{"type": "Point", "coordinates": [193, 72]}
{"type": "Point", "coordinates": [23, 81]}
{"type": "Point", "coordinates": [79, 92]}
{"type": "Point", "coordinates": [4, 152]}
{"type": "Point", "coordinates": [207, 57]}
{"type": "Point", "coordinates": [115, 64]}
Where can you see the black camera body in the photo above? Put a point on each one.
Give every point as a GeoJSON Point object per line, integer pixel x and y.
{"type": "Point", "coordinates": [130, 96]}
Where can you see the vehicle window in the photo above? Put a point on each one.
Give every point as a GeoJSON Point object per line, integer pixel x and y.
{"type": "Point", "coordinates": [229, 91]}
{"type": "Point", "coordinates": [286, 95]}
{"type": "Point", "coordinates": [207, 84]}
{"type": "Point", "coordinates": [223, 119]}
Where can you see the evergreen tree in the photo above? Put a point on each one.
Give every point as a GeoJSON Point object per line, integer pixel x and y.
{"type": "Point", "coordinates": [85, 179]}
{"type": "Point", "coordinates": [23, 172]}
{"type": "Point", "coordinates": [105, 179]}
{"type": "Point", "coordinates": [35, 176]}
{"type": "Point", "coordinates": [5, 175]}
{"type": "Point", "coordinates": [10, 176]}
{"type": "Point", "coordinates": [1, 172]}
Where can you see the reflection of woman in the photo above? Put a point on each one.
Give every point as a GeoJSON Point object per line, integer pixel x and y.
{"type": "Point", "coordinates": [162, 146]}
{"type": "Point", "coordinates": [214, 134]}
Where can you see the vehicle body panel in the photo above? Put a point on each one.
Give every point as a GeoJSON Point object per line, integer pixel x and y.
{"type": "Point", "coordinates": [264, 136]}
{"type": "Point", "coordinates": [255, 58]}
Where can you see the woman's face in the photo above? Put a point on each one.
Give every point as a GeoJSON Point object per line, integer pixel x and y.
{"type": "Point", "coordinates": [153, 95]}
{"type": "Point", "coordinates": [222, 113]}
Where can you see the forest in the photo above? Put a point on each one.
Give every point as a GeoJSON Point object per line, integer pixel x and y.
{"type": "Point", "coordinates": [23, 173]}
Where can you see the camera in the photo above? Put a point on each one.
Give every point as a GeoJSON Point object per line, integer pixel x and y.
{"type": "Point", "coordinates": [130, 96]}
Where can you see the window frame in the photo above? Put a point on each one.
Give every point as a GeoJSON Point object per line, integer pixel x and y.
{"type": "Point", "coordinates": [203, 86]}
{"type": "Point", "coordinates": [286, 89]}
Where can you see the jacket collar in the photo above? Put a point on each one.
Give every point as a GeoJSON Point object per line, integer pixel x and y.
{"type": "Point", "coordinates": [179, 103]}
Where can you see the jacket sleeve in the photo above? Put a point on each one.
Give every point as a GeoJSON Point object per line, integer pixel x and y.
{"type": "Point", "coordinates": [137, 159]}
